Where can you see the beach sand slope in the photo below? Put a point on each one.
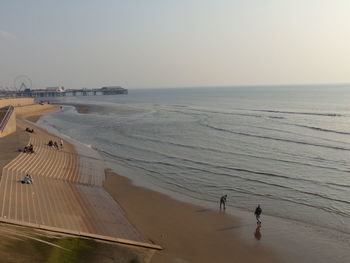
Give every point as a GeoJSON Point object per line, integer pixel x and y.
{"type": "Point", "coordinates": [187, 233]}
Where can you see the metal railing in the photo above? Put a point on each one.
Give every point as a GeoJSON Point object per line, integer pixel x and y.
{"type": "Point", "coordinates": [6, 117]}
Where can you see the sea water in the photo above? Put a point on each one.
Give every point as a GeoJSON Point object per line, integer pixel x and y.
{"type": "Point", "coordinates": [284, 147]}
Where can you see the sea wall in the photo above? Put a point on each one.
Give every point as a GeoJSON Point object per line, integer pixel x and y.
{"type": "Point", "coordinates": [10, 126]}
{"type": "Point", "coordinates": [22, 106]}
{"type": "Point", "coordinates": [15, 102]}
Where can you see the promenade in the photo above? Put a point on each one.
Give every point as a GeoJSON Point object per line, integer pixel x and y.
{"type": "Point", "coordinates": [67, 194]}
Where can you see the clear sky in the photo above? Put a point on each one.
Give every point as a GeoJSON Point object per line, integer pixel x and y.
{"type": "Point", "coordinates": [163, 43]}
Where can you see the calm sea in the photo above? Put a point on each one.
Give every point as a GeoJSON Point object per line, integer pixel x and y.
{"type": "Point", "coordinates": [286, 148]}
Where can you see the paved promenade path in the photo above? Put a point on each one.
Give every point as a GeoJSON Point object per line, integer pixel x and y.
{"type": "Point", "coordinates": [66, 196]}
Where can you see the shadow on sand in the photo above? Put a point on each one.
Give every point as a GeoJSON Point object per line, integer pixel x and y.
{"type": "Point", "coordinates": [234, 227]}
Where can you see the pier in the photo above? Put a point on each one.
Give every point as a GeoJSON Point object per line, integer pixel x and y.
{"type": "Point", "coordinates": [61, 92]}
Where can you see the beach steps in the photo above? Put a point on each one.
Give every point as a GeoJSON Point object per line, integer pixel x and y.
{"type": "Point", "coordinates": [66, 196]}
{"type": "Point", "coordinates": [58, 164]}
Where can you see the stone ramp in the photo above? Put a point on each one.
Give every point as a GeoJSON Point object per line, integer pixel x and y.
{"type": "Point", "coordinates": [66, 196]}
{"type": "Point", "coordinates": [60, 204]}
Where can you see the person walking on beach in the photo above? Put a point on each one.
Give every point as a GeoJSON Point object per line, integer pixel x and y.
{"type": "Point", "coordinates": [61, 143]}
{"type": "Point", "coordinates": [223, 200]}
{"type": "Point", "coordinates": [257, 213]}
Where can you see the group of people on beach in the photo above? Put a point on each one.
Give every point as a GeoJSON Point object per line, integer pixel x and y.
{"type": "Point", "coordinates": [54, 144]}
{"type": "Point", "coordinates": [29, 130]}
{"type": "Point", "coordinates": [257, 213]}
{"type": "Point", "coordinates": [28, 149]}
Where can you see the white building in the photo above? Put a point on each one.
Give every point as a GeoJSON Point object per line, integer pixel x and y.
{"type": "Point", "coordinates": [57, 89]}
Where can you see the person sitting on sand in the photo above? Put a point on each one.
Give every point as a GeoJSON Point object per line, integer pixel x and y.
{"type": "Point", "coordinates": [257, 213]}
{"type": "Point", "coordinates": [223, 200]}
{"type": "Point", "coordinates": [55, 145]}
{"type": "Point", "coordinates": [50, 143]}
{"type": "Point", "coordinates": [27, 179]}
{"type": "Point", "coordinates": [31, 148]}
{"type": "Point", "coordinates": [29, 130]}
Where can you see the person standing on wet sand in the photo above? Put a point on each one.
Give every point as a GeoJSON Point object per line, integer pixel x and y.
{"type": "Point", "coordinates": [223, 200]}
{"type": "Point", "coordinates": [257, 213]}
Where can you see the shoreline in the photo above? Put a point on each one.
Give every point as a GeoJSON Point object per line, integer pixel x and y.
{"type": "Point", "coordinates": [190, 233]}
{"type": "Point", "coordinates": [278, 241]}
{"type": "Point", "coordinates": [187, 232]}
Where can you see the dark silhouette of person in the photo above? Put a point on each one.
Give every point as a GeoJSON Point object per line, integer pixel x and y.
{"type": "Point", "coordinates": [257, 213]}
{"type": "Point", "coordinates": [223, 200]}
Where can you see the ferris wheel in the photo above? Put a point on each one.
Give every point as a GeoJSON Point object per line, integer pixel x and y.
{"type": "Point", "coordinates": [22, 82]}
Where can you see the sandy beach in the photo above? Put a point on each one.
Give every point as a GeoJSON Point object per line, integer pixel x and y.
{"type": "Point", "coordinates": [188, 233]}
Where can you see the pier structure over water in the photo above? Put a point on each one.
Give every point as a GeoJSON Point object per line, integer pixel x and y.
{"type": "Point", "coordinates": [61, 92]}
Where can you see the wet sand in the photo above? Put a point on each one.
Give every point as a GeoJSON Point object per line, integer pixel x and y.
{"type": "Point", "coordinates": [188, 233]}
